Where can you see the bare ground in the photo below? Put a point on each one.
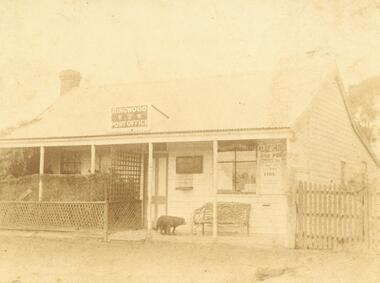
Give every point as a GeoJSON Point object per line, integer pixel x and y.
{"type": "Point", "coordinates": [33, 259]}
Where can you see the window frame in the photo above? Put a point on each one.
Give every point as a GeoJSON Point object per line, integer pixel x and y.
{"type": "Point", "coordinates": [77, 164]}
{"type": "Point", "coordinates": [235, 148]}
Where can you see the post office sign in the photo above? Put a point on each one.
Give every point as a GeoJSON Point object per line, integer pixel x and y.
{"type": "Point", "coordinates": [130, 117]}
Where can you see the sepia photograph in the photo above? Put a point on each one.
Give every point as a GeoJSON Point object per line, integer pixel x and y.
{"type": "Point", "coordinates": [186, 141]}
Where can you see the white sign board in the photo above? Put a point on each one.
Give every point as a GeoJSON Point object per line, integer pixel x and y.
{"type": "Point", "coordinates": [271, 158]}
{"type": "Point", "coordinates": [131, 118]}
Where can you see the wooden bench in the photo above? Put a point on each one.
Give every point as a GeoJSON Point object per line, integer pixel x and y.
{"type": "Point", "coordinates": [229, 213]}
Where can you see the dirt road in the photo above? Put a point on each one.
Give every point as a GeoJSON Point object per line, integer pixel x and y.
{"type": "Point", "coordinates": [27, 259]}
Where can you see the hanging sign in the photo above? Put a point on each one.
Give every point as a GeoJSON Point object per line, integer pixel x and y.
{"type": "Point", "coordinates": [130, 117]}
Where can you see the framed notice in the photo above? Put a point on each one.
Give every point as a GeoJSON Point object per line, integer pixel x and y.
{"type": "Point", "coordinates": [130, 118]}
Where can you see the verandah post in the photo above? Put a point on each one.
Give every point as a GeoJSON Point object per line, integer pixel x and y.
{"type": "Point", "coordinates": [107, 189]}
{"type": "Point", "coordinates": [149, 190]}
{"type": "Point", "coordinates": [214, 187]}
{"type": "Point", "coordinates": [92, 159]}
{"type": "Point", "coordinates": [106, 207]}
{"type": "Point", "coordinates": [41, 172]}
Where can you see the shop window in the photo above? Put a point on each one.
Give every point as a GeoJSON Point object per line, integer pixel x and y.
{"type": "Point", "coordinates": [189, 165]}
{"type": "Point", "coordinates": [237, 167]}
{"type": "Point", "coordinates": [70, 162]}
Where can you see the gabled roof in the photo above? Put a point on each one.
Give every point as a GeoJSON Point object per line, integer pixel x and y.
{"type": "Point", "coordinates": [268, 99]}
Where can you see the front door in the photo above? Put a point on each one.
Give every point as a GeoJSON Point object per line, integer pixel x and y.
{"type": "Point", "coordinates": [160, 185]}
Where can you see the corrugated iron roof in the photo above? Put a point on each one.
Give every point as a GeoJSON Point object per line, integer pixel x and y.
{"type": "Point", "coordinates": [263, 99]}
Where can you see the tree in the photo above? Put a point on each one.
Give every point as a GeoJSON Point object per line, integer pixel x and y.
{"type": "Point", "coordinates": [362, 100]}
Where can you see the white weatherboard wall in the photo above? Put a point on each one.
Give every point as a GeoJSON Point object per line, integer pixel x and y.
{"type": "Point", "coordinates": [268, 211]}
{"type": "Point", "coordinates": [325, 137]}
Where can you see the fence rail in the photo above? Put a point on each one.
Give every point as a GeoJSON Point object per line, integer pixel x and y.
{"type": "Point", "coordinates": [330, 216]}
{"type": "Point", "coordinates": [70, 216]}
{"type": "Point", "coordinates": [125, 215]}
{"type": "Point", "coordinates": [52, 215]}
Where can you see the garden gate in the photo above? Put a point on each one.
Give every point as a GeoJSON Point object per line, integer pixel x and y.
{"type": "Point", "coordinates": [333, 217]}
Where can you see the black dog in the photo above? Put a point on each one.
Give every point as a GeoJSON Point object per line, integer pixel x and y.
{"type": "Point", "coordinates": [165, 223]}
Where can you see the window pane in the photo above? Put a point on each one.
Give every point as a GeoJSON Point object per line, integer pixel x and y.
{"type": "Point", "coordinates": [225, 176]}
{"type": "Point", "coordinates": [71, 163]}
{"type": "Point", "coordinates": [226, 156]}
{"type": "Point", "coordinates": [246, 177]}
{"type": "Point", "coordinates": [246, 156]}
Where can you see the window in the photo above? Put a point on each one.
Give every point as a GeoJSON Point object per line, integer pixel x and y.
{"type": "Point", "coordinates": [189, 165]}
{"type": "Point", "coordinates": [70, 162]}
{"type": "Point", "coordinates": [342, 172]}
{"type": "Point", "coordinates": [237, 167]}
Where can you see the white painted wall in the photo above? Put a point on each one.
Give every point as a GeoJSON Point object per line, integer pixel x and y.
{"type": "Point", "coordinates": [268, 211]}
{"type": "Point", "coordinates": [324, 137]}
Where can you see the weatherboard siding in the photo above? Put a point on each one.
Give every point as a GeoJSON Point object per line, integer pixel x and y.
{"type": "Point", "coordinates": [268, 212]}
{"type": "Point", "coordinates": [326, 139]}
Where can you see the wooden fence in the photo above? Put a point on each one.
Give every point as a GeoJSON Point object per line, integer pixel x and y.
{"type": "Point", "coordinates": [334, 217]}
{"type": "Point", "coordinates": [63, 216]}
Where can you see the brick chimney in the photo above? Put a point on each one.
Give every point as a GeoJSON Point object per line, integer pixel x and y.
{"type": "Point", "coordinates": [69, 80]}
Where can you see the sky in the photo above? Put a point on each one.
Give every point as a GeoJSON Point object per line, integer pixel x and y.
{"type": "Point", "coordinates": [114, 41]}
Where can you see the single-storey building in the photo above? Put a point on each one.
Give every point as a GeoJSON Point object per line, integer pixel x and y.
{"type": "Point", "coordinates": [180, 144]}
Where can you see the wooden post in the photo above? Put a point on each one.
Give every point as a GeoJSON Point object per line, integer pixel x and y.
{"type": "Point", "coordinates": [149, 190]}
{"type": "Point", "coordinates": [142, 193]}
{"type": "Point", "coordinates": [93, 160]}
{"type": "Point", "coordinates": [106, 208]}
{"type": "Point", "coordinates": [42, 164]}
{"type": "Point", "coordinates": [214, 187]}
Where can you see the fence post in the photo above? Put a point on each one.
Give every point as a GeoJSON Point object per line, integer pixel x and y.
{"type": "Point", "coordinates": [292, 206]}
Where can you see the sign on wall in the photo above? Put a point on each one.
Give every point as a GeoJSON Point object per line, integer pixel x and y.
{"type": "Point", "coordinates": [272, 151]}
{"type": "Point", "coordinates": [271, 159]}
{"type": "Point", "coordinates": [130, 117]}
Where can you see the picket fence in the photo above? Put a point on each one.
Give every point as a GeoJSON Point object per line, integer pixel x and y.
{"type": "Point", "coordinates": [334, 217]}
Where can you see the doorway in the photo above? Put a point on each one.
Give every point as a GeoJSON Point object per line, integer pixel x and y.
{"type": "Point", "coordinates": [160, 185]}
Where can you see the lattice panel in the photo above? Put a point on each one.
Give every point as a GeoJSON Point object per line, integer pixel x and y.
{"type": "Point", "coordinates": [125, 215]}
{"type": "Point", "coordinates": [126, 176]}
{"type": "Point", "coordinates": [52, 215]}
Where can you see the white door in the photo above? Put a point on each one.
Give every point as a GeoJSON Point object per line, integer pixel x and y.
{"type": "Point", "coordinates": [160, 186]}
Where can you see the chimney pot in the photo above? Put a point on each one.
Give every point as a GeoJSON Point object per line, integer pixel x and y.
{"type": "Point", "coordinates": [69, 80]}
